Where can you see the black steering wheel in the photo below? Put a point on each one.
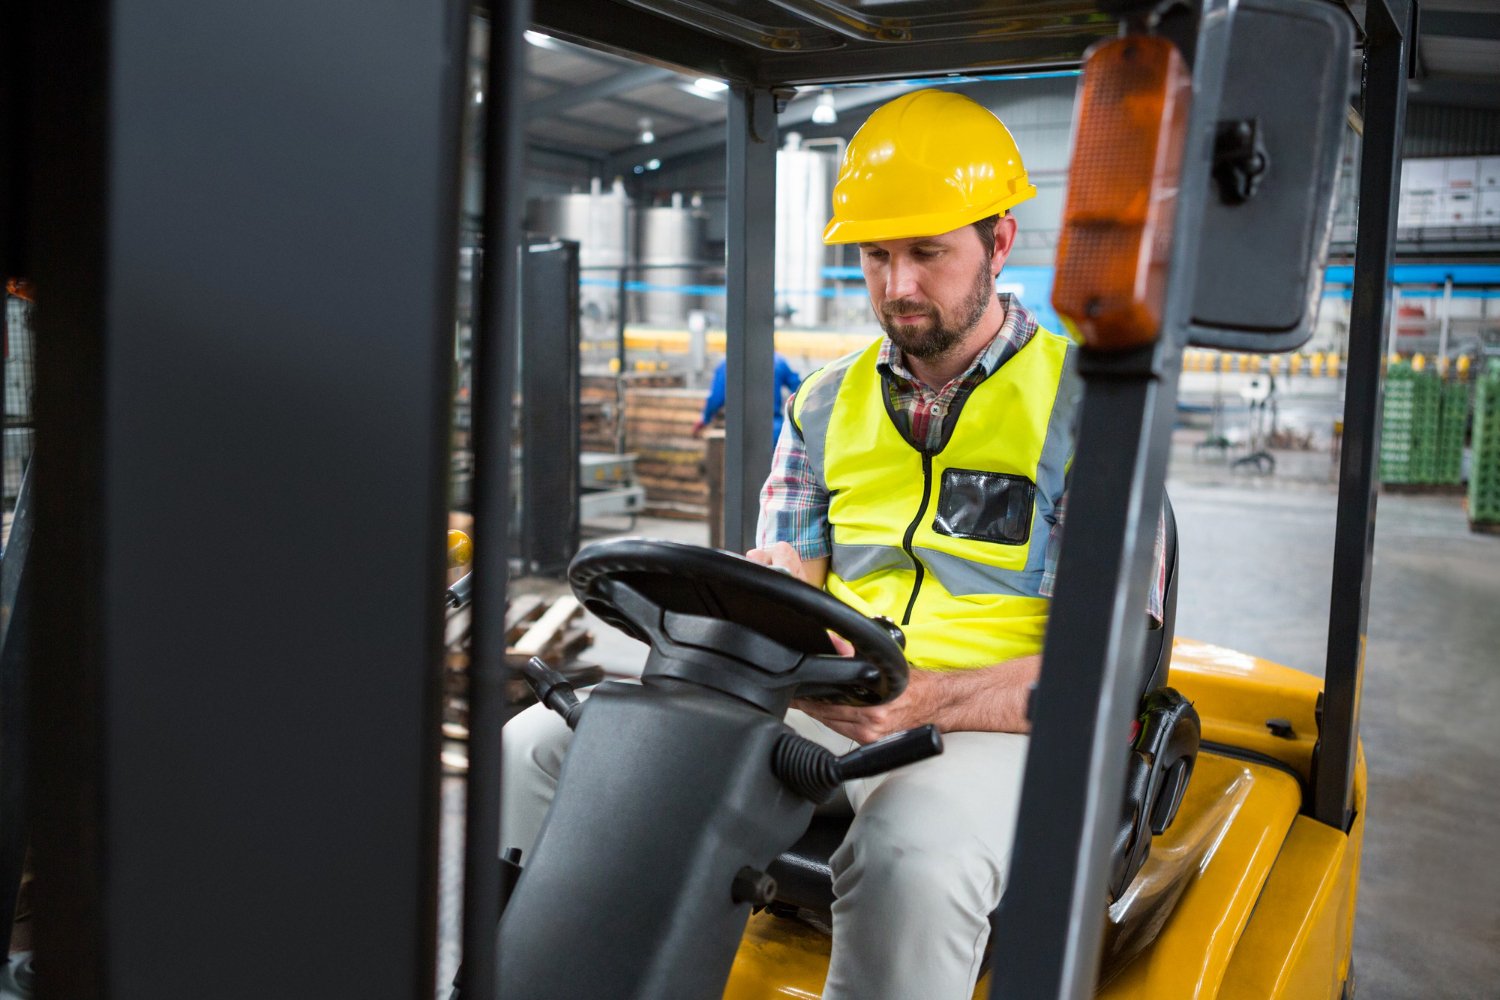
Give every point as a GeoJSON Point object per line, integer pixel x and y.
{"type": "Point", "coordinates": [721, 621]}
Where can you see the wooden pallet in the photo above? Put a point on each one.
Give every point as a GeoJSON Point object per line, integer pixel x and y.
{"type": "Point", "coordinates": [534, 626]}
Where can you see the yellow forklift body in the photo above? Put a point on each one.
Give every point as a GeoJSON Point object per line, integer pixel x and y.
{"type": "Point", "coordinates": [1254, 900]}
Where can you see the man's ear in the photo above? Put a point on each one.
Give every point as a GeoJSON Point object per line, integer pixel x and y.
{"type": "Point", "coordinates": [1005, 238]}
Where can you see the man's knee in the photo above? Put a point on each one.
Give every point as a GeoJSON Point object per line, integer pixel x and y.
{"type": "Point", "coordinates": [534, 740]}
{"type": "Point", "coordinates": [901, 860]}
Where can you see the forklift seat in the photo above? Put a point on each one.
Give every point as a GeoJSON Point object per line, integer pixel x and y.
{"type": "Point", "coordinates": [1158, 769]}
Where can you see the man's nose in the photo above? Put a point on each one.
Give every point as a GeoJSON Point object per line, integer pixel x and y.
{"type": "Point", "coordinates": [900, 278]}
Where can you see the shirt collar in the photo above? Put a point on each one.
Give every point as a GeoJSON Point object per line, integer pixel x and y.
{"type": "Point", "coordinates": [1015, 331]}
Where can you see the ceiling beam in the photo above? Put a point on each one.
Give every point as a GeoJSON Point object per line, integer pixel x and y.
{"type": "Point", "coordinates": [571, 97]}
{"type": "Point", "coordinates": [556, 150]}
{"type": "Point", "coordinates": [1455, 91]}
{"type": "Point", "coordinates": [798, 112]}
{"type": "Point", "coordinates": [1460, 24]}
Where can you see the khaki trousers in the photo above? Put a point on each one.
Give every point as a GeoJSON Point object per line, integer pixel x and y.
{"type": "Point", "coordinates": [914, 882]}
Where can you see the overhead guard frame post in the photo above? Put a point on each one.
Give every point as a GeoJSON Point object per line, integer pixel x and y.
{"type": "Point", "coordinates": [15, 636]}
{"type": "Point", "coordinates": [241, 492]}
{"type": "Point", "coordinates": [1072, 793]}
{"type": "Point", "coordinates": [750, 272]}
{"type": "Point", "coordinates": [1387, 27]}
{"type": "Point", "coordinates": [495, 343]}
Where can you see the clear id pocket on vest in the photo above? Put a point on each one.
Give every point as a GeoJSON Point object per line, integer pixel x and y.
{"type": "Point", "coordinates": [985, 506]}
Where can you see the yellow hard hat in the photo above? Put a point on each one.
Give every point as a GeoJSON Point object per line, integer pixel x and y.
{"type": "Point", "coordinates": [926, 163]}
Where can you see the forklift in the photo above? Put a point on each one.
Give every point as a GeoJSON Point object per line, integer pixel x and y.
{"type": "Point", "coordinates": [1214, 853]}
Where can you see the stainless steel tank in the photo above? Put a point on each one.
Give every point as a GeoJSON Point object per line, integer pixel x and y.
{"type": "Point", "coordinates": [671, 249]}
{"type": "Point", "coordinates": [600, 220]}
{"type": "Point", "coordinates": [804, 180]}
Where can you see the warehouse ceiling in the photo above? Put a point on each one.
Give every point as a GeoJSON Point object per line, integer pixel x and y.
{"type": "Point", "coordinates": [616, 114]}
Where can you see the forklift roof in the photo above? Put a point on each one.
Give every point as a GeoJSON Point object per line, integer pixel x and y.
{"type": "Point", "coordinates": [790, 42]}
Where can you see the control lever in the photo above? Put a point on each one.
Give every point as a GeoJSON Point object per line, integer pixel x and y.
{"type": "Point", "coordinates": [815, 772]}
{"type": "Point", "coordinates": [458, 594]}
{"type": "Point", "coordinates": [552, 690]}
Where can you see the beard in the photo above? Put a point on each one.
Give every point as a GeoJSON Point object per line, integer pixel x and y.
{"type": "Point", "coordinates": [936, 336]}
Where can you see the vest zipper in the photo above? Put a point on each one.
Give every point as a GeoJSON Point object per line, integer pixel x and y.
{"type": "Point", "coordinates": [911, 532]}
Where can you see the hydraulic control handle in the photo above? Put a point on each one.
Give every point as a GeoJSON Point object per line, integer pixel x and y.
{"type": "Point", "coordinates": [814, 772]}
{"type": "Point", "coordinates": [458, 595]}
{"type": "Point", "coordinates": [552, 690]}
{"type": "Point", "coordinates": [896, 750]}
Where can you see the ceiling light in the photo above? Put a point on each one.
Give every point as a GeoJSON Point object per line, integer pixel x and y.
{"type": "Point", "coordinates": [478, 97]}
{"type": "Point", "coordinates": [647, 136]}
{"type": "Point", "coordinates": [824, 113]}
{"type": "Point", "coordinates": [709, 86]}
{"type": "Point", "coordinates": [653, 164]}
{"type": "Point", "coordinates": [538, 39]}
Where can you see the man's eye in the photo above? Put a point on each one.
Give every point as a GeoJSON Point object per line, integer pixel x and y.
{"type": "Point", "coordinates": [875, 255]}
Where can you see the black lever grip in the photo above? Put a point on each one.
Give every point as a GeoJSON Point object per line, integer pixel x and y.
{"type": "Point", "coordinates": [552, 690]}
{"type": "Point", "coordinates": [814, 772]}
{"type": "Point", "coordinates": [891, 752]}
{"type": "Point", "coordinates": [458, 594]}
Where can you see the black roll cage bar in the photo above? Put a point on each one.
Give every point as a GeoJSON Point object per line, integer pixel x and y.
{"type": "Point", "coordinates": [159, 235]}
{"type": "Point", "coordinates": [1061, 851]}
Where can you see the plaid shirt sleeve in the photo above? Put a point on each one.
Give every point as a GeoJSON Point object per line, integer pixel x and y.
{"type": "Point", "coordinates": [793, 503]}
{"type": "Point", "coordinates": [1154, 601]}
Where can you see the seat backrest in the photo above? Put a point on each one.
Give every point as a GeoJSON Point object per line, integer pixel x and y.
{"type": "Point", "coordinates": [1159, 634]}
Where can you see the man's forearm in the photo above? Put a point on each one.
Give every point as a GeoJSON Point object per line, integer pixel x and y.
{"type": "Point", "coordinates": [987, 699]}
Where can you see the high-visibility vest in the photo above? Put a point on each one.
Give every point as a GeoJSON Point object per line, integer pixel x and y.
{"type": "Point", "coordinates": [949, 544]}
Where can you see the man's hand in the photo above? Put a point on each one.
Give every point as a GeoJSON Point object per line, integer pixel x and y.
{"type": "Point", "coordinates": [982, 700]}
{"type": "Point", "coordinates": [698, 427]}
{"type": "Point", "coordinates": [783, 557]}
{"type": "Point", "coordinates": [917, 705]}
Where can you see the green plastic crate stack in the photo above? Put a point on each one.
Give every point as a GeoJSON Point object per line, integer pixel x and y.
{"type": "Point", "coordinates": [1453, 417]}
{"type": "Point", "coordinates": [1484, 472]}
{"type": "Point", "coordinates": [1427, 403]}
{"type": "Point", "coordinates": [1396, 424]}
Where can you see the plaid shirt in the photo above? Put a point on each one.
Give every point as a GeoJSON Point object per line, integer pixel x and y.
{"type": "Point", "coordinates": [794, 506]}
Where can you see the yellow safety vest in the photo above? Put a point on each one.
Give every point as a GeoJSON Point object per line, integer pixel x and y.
{"type": "Point", "coordinates": [950, 545]}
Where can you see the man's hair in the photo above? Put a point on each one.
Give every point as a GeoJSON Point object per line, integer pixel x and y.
{"type": "Point", "coordinates": [986, 229]}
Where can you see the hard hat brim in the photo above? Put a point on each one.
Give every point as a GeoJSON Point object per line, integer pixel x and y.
{"type": "Point", "coordinates": [912, 226]}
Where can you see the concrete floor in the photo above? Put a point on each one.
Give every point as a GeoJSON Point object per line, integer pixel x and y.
{"type": "Point", "coordinates": [1256, 557]}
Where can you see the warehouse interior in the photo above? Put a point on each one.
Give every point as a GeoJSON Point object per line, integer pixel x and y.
{"type": "Point", "coordinates": [619, 169]}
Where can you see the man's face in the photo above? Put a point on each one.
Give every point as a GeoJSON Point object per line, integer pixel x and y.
{"type": "Point", "coordinates": [931, 291]}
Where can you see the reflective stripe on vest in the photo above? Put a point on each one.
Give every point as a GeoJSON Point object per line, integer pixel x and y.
{"type": "Point", "coordinates": [951, 545]}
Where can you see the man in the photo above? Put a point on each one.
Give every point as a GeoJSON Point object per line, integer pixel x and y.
{"type": "Point", "coordinates": [784, 379]}
{"type": "Point", "coordinates": [921, 479]}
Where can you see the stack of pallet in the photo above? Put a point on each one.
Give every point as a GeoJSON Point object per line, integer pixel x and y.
{"type": "Point", "coordinates": [1484, 473]}
{"type": "Point", "coordinates": [599, 406]}
{"type": "Point", "coordinates": [669, 460]}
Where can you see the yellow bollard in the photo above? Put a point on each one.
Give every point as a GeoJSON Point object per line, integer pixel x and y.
{"type": "Point", "coordinates": [1333, 365]}
{"type": "Point", "coordinates": [1274, 361]}
{"type": "Point", "coordinates": [1226, 362]}
{"type": "Point", "coordinates": [1463, 366]}
{"type": "Point", "coordinates": [1418, 363]}
{"type": "Point", "coordinates": [1294, 364]}
{"type": "Point", "coordinates": [1315, 364]}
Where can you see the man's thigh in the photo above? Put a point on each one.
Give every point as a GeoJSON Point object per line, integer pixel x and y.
{"type": "Point", "coordinates": [964, 798]}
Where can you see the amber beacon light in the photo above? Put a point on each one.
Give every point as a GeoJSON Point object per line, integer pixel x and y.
{"type": "Point", "coordinates": [1122, 190]}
